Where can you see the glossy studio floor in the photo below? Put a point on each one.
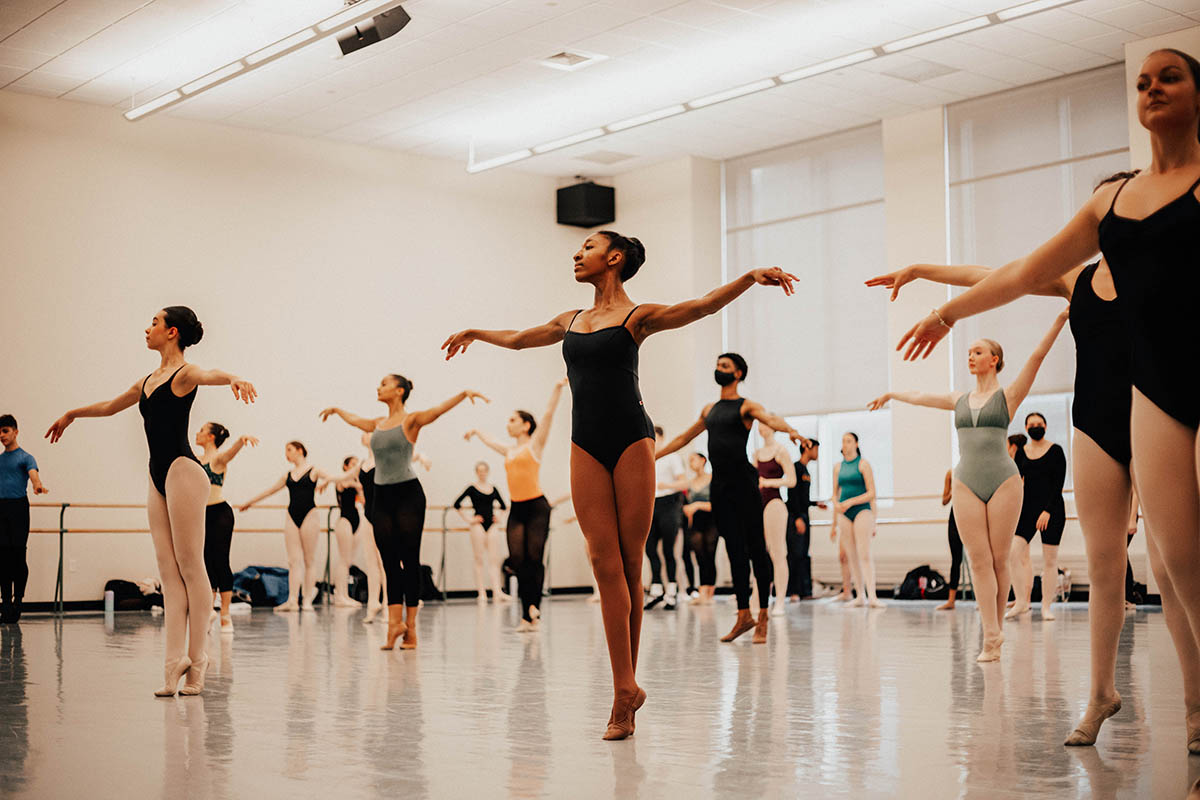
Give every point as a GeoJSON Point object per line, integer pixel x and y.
{"type": "Point", "coordinates": [840, 703]}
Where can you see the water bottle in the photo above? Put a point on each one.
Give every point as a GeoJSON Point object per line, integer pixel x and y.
{"type": "Point", "coordinates": [110, 601]}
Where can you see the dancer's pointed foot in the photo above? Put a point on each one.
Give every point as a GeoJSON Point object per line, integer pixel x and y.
{"type": "Point", "coordinates": [760, 628]}
{"type": "Point", "coordinates": [173, 670]}
{"type": "Point", "coordinates": [743, 623]}
{"type": "Point", "coordinates": [194, 684]}
{"type": "Point", "coordinates": [372, 612]}
{"type": "Point", "coordinates": [621, 721]}
{"type": "Point", "coordinates": [410, 629]}
{"type": "Point", "coordinates": [396, 627]}
{"type": "Point", "coordinates": [991, 648]}
{"type": "Point", "coordinates": [1047, 613]}
{"type": "Point", "coordinates": [290, 605]}
{"type": "Point", "coordinates": [345, 601]}
{"type": "Point", "coordinates": [1088, 729]}
{"type": "Point", "coordinates": [1017, 611]}
{"type": "Point", "coordinates": [227, 626]}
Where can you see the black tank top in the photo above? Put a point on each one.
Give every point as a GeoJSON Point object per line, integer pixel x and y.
{"type": "Point", "coordinates": [1153, 262]}
{"type": "Point", "coordinates": [1103, 352]}
{"type": "Point", "coordinates": [165, 418]}
{"type": "Point", "coordinates": [727, 436]}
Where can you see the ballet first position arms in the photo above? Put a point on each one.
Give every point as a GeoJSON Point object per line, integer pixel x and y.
{"type": "Point", "coordinates": [612, 438]}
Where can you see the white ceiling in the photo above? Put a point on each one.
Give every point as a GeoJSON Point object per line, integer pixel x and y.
{"type": "Point", "coordinates": [467, 70]}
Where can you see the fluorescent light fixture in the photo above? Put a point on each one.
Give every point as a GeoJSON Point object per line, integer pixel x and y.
{"type": "Point", "coordinates": [498, 161]}
{"type": "Point", "coordinates": [729, 94]}
{"type": "Point", "coordinates": [281, 47]}
{"type": "Point", "coordinates": [347, 17]}
{"type": "Point", "coordinates": [934, 35]}
{"type": "Point", "coordinates": [154, 105]}
{"type": "Point", "coordinates": [827, 66]}
{"type": "Point", "coordinates": [642, 119]}
{"type": "Point", "coordinates": [567, 141]}
{"type": "Point", "coordinates": [1029, 8]}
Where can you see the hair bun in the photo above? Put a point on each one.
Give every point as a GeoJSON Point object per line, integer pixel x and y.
{"type": "Point", "coordinates": [184, 320]}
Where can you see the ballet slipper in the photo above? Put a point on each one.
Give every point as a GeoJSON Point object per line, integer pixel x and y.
{"type": "Point", "coordinates": [760, 628]}
{"type": "Point", "coordinates": [743, 623]}
{"type": "Point", "coordinates": [991, 648]}
{"type": "Point", "coordinates": [1088, 729]}
{"type": "Point", "coordinates": [621, 721]}
{"type": "Point", "coordinates": [1047, 614]}
{"type": "Point", "coordinates": [372, 611]}
{"type": "Point", "coordinates": [1017, 611]}
{"type": "Point", "coordinates": [227, 626]}
{"type": "Point", "coordinates": [194, 684]}
{"type": "Point", "coordinates": [396, 626]}
{"type": "Point", "coordinates": [290, 605]}
{"type": "Point", "coordinates": [214, 618]}
{"type": "Point", "coordinates": [307, 606]}
{"type": "Point", "coordinates": [875, 602]}
{"type": "Point", "coordinates": [173, 671]}
{"type": "Point", "coordinates": [504, 597]}
{"type": "Point", "coordinates": [857, 602]}
{"type": "Point", "coordinates": [779, 609]}
{"type": "Point", "coordinates": [410, 630]}
{"type": "Point", "coordinates": [345, 601]}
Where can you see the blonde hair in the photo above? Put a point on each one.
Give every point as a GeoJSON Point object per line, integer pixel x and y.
{"type": "Point", "coordinates": [997, 351]}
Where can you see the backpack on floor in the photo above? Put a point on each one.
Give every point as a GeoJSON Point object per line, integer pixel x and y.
{"type": "Point", "coordinates": [429, 590]}
{"type": "Point", "coordinates": [922, 583]}
{"type": "Point", "coordinates": [127, 596]}
{"type": "Point", "coordinates": [357, 588]}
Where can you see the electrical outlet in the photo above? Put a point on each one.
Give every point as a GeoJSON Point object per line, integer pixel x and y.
{"type": "Point", "coordinates": [74, 565]}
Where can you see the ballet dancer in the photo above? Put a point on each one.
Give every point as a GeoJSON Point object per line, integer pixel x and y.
{"type": "Point", "coordinates": [956, 546]}
{"type": "Point", "coordinates": [398, 511]}
{"type": "Point", "coordinates": [345, 531]}
{"type": "Point", "coordinates": [775, 472]}
{"type": "Point", "coordinates": [701, 527]}
{"type": "Point", "coordinates": [799, 501]}
{"type": "Point", "coordinates": [854, 515]}
{"type": "Point", "coordinates": [1044, 468]}
{"type": "Point", "coordinates": [218, 516]}
{"type": "Point", "coordinates": [178, 487]}
{"type": "Point", "coordinates": [301, 523]}
{"type": "Point", "coordinates": [1102, 477]}
{"type": "Point", "coordinates": [17, 470]}
{"type": "Point", "coordinates": [612, 455]}
{"type": "Point", "coordinates": [987, 487]}
{"type": "Point", "coordinates": [484, 497]}
{"type": "Point", "coordinates": [670, 480]}
{"type": "Point", "coordinates": [736, 502]}
{"type": "Point", "coordinates": [529, 517]}
{"type": "Point", "coordinates": [376, 580]}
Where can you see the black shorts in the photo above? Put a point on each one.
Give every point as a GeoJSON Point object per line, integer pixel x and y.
{"type": "Point", "coordinates": [14, 522]}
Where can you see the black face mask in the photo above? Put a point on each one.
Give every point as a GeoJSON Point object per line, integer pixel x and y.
{"type": "Point", "coordinates": [723, 378]}
{"type": "Point", "coordinates": [1037, 432]}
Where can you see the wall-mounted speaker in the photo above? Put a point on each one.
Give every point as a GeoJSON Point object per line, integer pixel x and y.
{"type": "Point", "coordinates": [376, 29]}
{"type": "Point", "coordinates": [586, 205]}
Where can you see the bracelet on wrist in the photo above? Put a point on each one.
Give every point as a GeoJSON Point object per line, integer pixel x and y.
{"type": "Point", "coordinates": [940, 318]}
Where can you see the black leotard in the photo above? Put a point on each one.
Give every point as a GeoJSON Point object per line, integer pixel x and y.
{"type": "Point", "coordinates": [300, 496]}
{"type": "Point", "coordinates": [366, 479]}
{"type": "Point", "coordinates": [1044, 479]}
{"type": "Point", "coordinates": [1153, 262]}
{"type": "Point", "coordinates": [165, 418]}
{"type": "Point", "coordinates": [483, 504]}
{"type": "Point", "coordinates": [607, 414]}
{"type": "Point", "coordinates": [346, 507]}
{"type": "Point", "coordinates": [1103, 356]}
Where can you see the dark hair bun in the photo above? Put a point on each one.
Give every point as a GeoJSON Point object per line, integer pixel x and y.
{"type": "Point", "coordinates": [633, 250]}
{"type": "Point", "coordinates": [183, 319]}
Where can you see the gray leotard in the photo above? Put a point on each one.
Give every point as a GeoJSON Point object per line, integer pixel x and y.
{"type": "Point", "coordinates": [984, 462]}
{"type": "Point", "coordinates": [393, 456]}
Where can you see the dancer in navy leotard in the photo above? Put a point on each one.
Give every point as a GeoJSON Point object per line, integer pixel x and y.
{"type": "Point", "coordinates": [178, 486]}
{"type": "Point", "coordinates": [612, 459]}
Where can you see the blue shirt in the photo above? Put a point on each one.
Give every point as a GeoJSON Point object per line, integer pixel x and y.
{"type": "Point", "coordinates": [14, 473]}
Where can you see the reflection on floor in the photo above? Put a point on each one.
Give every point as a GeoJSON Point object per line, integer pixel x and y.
{"type": "Point", "coordinates": [840, 703]}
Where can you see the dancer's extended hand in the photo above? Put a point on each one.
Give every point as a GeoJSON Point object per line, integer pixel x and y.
{"type": "Point", "coordinates": [457, 343]}
{"type": "Point", "coordinates": [56, 430]}
{"type": "Point", "coordinates": [473, 396]}
{"type": "Point", "coordinates": [923, 337]}
{"type": "Point", "coordinates": [800, 440]}
{"type": "Point", "coordinates": [243, 390]}
{"type": "Point", "coordinates": [326, 413]}
{"type": "Point", "coordinates": [250, 440]}
{"type": "Point", "coordinates": [774, 276]}
{"type": "Point", "coordinates": [894, 280]}
{"type": "Point", "coordinates": [879, 402]}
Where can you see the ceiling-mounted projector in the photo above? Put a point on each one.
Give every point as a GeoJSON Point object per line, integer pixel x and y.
{"type": "Point", "coordinates": [376, 29]}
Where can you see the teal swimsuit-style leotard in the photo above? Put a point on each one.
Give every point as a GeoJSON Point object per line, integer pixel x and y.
{"type": "Point", "coordinates": [984, 463]}
{"type": "Point", "coordinates": [851, 484]}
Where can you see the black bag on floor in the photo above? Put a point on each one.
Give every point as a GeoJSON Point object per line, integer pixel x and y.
{"type": "Point", "coordinates": [357, 588]}
{"type": "Point", "coordinates": [923, 583]}
{"type": "Point", "coordinates": [429, 590]}
{"type": "Point", "coordinates": [128, 597]}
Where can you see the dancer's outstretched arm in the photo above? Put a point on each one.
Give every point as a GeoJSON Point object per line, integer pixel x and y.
{"type": "Point", "coordinates": [192, 376]}
{"type": "Point", "coordinates": [225, 456]}
{"type": "Point", "coordinates": [682, 439]}
{"type": "Point", "coordinates": [537, 442]}
{"type": "Point", "coordinates": [962, 275]}
{"type": "Point", "coordinates": [540, 336]}
{"type": "Point", "coordinates": [1019, 388]}
{"type": "Point", "coordinates": [945, 401]}
{"type": "Point", "coordinates": [776, 422]}
{"type": "Point", "coordinates": [497, 445]}
{"type": "Point", "coordinates": [104, 408]}
{"type": "Point", "coordinates": [653, 317]}
{"type": "Point", "coordinates": [362, 423]}
{"type": "Point", "coordinates": [279, 484]}
{"type": "Point", "coordinates": [419, 419]}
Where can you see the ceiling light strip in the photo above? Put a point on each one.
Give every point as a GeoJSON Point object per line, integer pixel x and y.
{"type": "Point", "coordinates": [348, 17]}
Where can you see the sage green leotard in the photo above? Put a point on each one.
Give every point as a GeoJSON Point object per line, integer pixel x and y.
{"type": "Point", "coordinates": [983, 462]}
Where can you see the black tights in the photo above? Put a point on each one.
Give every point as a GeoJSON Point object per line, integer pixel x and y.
{"type": "Point", "coordinates": [528, 527]}
{"type": "Point", "coordinates": [14, 573]}
{"type": "Point", "coordinates": [737, 506]}
{"type": "Point", "coordinates": [799, 561]}
{"type": "Point", "coordinates": [956, 551]}
{"type": "Point", "coordinates": [399, 519]}
{"type": "Point", "coordinates": [218, 538]}
{"type": "Point", "coordinates": [664, 527]}
{"type": "Point", "coordinates": [702, 537]}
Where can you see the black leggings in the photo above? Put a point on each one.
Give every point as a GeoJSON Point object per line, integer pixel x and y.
{"type": "Point", "coordinates": [702, 537]}
{"type": "Point", "coordinates": [399, 519]}
{"type": "Point", "coordinates": [737, 507]}
{"type": "Point", "coordinates": [799, 562]}
{"type": "Point", "coordinates": [528, 527]}
{"type": "Point", "coordinates": [218, 539]}
{"type": "Point", "coordinates": [14, 536]}
{"type": "Point", "coordinates": [664, 527]}
{"type": "Point", "coordinates": [956, 552]}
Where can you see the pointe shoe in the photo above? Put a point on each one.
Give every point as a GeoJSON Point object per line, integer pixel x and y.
{"type": "Point", "coordinates": [743, 623]}
{"type": "Point", "coordinates": [1017, 611]}
{"type": "Point", "coordinates": [991, 649]}
{"type": "Point", "coordinates": [290, 605]}
{"type": "Point", "coordinates": [173, 671]}
{"type": "Point", "coordinates": [1047, 614]}
{"type": "Point", "coordinates": [760, 628]}
{"type": "Point", "coordinates": [1088, 729]}
{"type": "Point", "coordinates": [227, 627]}
{"type": "Point", "coordinates": [621, 723]}
{"type": "Point", "coordinates": [372, 612]}
{"type": "Point", "coordinates": [396, 627]}
{"type": "Point", "coordinates": [194, 684]}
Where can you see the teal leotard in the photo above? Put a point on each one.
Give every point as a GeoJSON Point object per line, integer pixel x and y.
{"type": "Point", "coordinates": [851, 484]}
{"type": "Point", "coordinates": [983, 462]}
